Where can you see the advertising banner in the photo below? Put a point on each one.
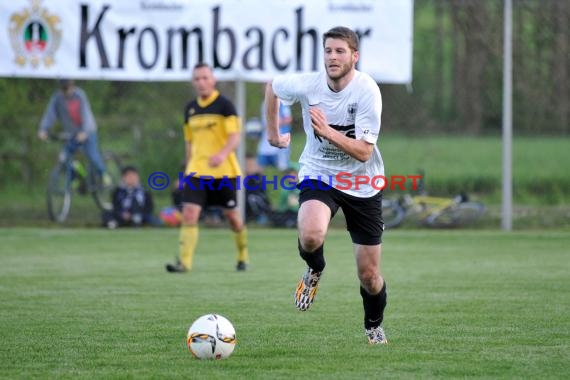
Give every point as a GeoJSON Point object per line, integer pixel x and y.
{"type": "Point", "coordinates": [161, 40]}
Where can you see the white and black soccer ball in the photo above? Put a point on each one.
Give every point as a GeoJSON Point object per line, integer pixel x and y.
{"type": "Point", "coordinates": [211, 337]}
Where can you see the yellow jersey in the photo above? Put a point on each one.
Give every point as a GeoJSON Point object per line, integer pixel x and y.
{"type": "Point", "coordinates": [207, 124]}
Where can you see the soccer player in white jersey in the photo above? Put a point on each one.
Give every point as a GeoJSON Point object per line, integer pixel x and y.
{"type": "Point", "coordinates": [341, 109]}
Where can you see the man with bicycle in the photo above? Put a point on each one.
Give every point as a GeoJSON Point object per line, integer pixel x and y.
{"type": "Point", "coordinates": [71, 107]}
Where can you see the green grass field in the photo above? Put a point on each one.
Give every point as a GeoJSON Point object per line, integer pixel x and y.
{"type": "Point", "coordinates": [97, 304]}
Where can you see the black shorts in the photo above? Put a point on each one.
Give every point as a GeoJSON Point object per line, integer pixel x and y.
{"type": "Point", "coordinates": [211, 192]}
{"type": "Point", "coordinates": [363, 215]}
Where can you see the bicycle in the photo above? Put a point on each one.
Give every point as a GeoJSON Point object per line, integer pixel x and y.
{"type": "Point", "coordinates": [435, 212]}
{"type": "Point", "coordinates": [71, 175]}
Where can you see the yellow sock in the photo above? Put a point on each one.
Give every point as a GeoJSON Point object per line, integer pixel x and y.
{"type": "Point", "coordinates": [241, 244]}
{"type": "Point", "coordinates": [188, 241]}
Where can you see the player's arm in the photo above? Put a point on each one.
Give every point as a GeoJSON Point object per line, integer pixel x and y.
{"type": "Point", "coordinates": [272, 116]}
{"type": "Point", "coordinates": [187, 131]}
{"type": "Point", "coordinates": [188, 155]}
{"type": "Point", "coordinates": [232, 127]}
{"type": "Point", "coordinates": [230, 146]}
{"type": "Point", "coordinates": [358, 149]}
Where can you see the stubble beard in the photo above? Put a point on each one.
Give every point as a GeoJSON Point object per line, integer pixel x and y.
{"type": "Point", "coordinates": [344, 70]}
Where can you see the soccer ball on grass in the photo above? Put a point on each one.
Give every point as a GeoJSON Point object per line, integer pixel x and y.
{"type": "Point", "coordinates": [211, 337]}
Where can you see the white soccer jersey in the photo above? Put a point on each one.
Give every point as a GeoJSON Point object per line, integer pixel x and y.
{"type": "Point", "coordinates": [354, 111]}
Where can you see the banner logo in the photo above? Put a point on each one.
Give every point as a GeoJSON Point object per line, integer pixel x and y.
{"type": "Point", "coordinates": [35, 35]}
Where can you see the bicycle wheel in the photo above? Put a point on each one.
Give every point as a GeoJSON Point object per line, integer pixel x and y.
{"type": "Point", "coordinates": [392, 213]}
{"type": "Point", "coordinates": [458, 215]}
{"type": "Point", "coordinates": [101, 189]}
{"type": "Point", "coordinates": [59, 193]}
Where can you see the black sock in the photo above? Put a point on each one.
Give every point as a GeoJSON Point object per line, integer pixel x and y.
{"type": "Point", "coordinates": [374, 306]}
{"type": "Point", "coordinates": [315, 260]}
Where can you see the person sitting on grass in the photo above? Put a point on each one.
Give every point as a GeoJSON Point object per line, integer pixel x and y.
{"type": "Point", "coordinates": [257, 203]}
{"type": "Point", "coordinates": [288, 207]}
{"type": "Point", "coordinates": [132, 204]}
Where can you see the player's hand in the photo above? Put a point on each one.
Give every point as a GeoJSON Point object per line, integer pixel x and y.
{"type": "Point", "coordinates": [42, 135]}
{"type": "Point", "coordinates": [216, 160]}
{"type": "Point", "coordinates": [81, 137]}
{"type": "Point", "coordinates": [319, 122]}
{"type": "Point", "coordinates": [281, 141]}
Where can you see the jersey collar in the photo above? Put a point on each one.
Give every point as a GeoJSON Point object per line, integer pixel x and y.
{"type": "Point", "coordinates": [206, 102]}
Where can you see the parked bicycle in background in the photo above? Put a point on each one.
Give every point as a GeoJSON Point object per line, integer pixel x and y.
{"type": "Point", "coordinates": [430, 211]}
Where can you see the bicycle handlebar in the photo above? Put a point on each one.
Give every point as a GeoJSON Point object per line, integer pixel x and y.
{"type": "Point", "coordinates": [60, 136]}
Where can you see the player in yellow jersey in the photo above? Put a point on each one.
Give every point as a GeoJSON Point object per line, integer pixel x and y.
{"type": "Point", "coordinates": [211, 133]}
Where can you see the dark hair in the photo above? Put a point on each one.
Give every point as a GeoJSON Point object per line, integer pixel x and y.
{"type": "Point", "coordinates": [199, 65]}
{"type": "Point", "coordinates": [345, 34]}
{"type": "Point", "coordinates": [65, 82]}
{"type": "Point", "coordinates": [129, 169]}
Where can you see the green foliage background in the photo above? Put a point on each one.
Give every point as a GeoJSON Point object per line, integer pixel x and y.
{"type": "Point", "coordinates": [447, 122]}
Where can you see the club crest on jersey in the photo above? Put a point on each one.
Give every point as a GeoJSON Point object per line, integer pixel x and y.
{"type": "Point", "coordinates": [35, 35]}
{"type": "Point", "coordinates": [352, 108]}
